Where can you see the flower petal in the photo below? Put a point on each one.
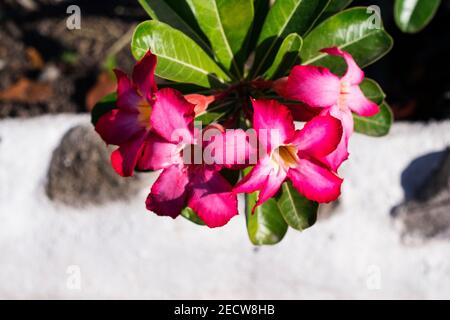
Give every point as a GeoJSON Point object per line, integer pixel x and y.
{"type": "Point", "coordinates": [172, 116]}
{"type": "Point", "coordinates": [256, 178]}
{"type": "Point", "coordinates": [158, 153]}
{"type": "Point", "coordinates": [211, 197]}
{"type": "Point", "coordinates": [303, 113]}
{"type": "Point", "coordinates": [354, 74]}
{"type": "Point", "coordinates": [338, 156]}
{"type": "Point", "coordinates": [144, 75]}
{"type": "Point", "coordinates": [125, 158]}
{"type": "Point", "coordinates": [359, 104]}
{"type": "Point", "coordinates": [315, 86]}
{"type": "Point", "coordinates": [315, 182]}
{"type": "Point", "coordinates": [168, 194]}
{"type": "Point", "coordinates": [346, 118]}
{"type": "Point", "coordinates": [200, 101]}
{"type": "Point", "coordinates": [273, 123]}
{"type": "Point", "coordinates": [273, 183]}
{"type": "Point", "coordinates": [128, 99]}
{"type": "Point", "coordinates": [118, 126]}
{"type": "Point", "coordinates": [264, 177]}
{"type": "Point", "coordinates": [319, 137]}
{"type": "Point", "coordinates": [230, 149]}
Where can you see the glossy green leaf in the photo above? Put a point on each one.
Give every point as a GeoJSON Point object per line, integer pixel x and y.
{"type": "Point", "coordinates": [266, 225]}
{"type": "Point", "coordinates": [105, 105]}
{"type": "Point", "coordinates": [286, 57]}
{"type": "Point", "coordinates": [180, 59]}
{"type": "Point", "coordinates": [376, 126]}
{"type": "Point", "coordinates": [178, 15]}
{"type": "Point", "coordinates": [354, 30]}
{"type": "Point", "coordinates": [285, 17]}
{"type": "Point", "coordinates": [372, 91]}
{"type": "Point", "coordinates": [337, 5]}
{"type": "Point", "coordinates": [226, 23]}
{"type": "Point", "coordinates": [333, 7]}
{"type": "Point", "coordinates": [413, 15]}
{"type": "Point", "coordinates": [189, 214]}
{"type": "Point", "coordinates": [299, 212]}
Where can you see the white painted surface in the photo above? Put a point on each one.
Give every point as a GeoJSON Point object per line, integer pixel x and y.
{"type": "Point", "coordinates": [122, 251]}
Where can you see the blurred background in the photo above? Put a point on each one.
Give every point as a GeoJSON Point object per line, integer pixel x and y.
{"type": "Point", "coordinates": [68, 71]}
{"type": "Point", "coordinates": [70, 228]}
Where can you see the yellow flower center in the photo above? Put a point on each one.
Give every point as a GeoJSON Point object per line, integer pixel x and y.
{"type": "Point", "coordinates": [285, 156]}
{"type": "Point", "coordinates": [145, 111]}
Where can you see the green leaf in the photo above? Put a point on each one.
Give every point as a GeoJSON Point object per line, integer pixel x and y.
{"type": "Point", "coordinates": [413, 15]}
{"type": "Point", "coordinates": [299, 212]}
{"type": "Point", "coordinates": [372, 91]}
{"type": "Point", "coordinates": [333, 7]}
{"type": "Point", "coordinates": [353, 30]}
{"type": "Point", "coordinates": [184, 88]}
{"type": "Point", "coordinates": [266, 225]}
{"type": "Point", "coordinates": [180, 59]}
{"type": "Point", "coordinates": [105, 105]}
{"type": "Point", "coordinates": [207, 117]}
{"type": "Point", "coordinates": [215, 112]}
{"type": "Point", "coordinates": [178, 15]}
{"type": "Point", "coordinates": [226, 23]}
{"type": "Point", "coordinates": [189, 214]}
{"type": "Point", "coordinates": [285, 17]}
{"type": "Point", "coordinates": [286, 57]}
{"type": "Point", "coordinates": [376, 126]}
{"type": "Point", "coordinates": [337, 5]}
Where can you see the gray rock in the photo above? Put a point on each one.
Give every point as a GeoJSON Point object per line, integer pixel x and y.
{"type": "Point", "coordinates": [81, 174]}
{"type": "Point", "coordinates": [427, 214]}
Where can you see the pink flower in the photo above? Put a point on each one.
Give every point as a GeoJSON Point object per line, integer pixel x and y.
{"type": "Point", "coordinates": [154, 130]}
{"type": "Point", "coordinates": [292, 154]}
{"type": "Point", "coordinates": [129, 125]}
{"type": "Point", "coordinates": [319, 88]}
{"type": "Point", "coordinates": [184, 182]}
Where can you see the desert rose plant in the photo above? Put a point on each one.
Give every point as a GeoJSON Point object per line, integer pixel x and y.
{"type": "Point", "coordinates": [257, 99]}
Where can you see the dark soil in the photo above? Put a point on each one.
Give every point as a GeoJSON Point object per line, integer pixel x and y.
{"type": "Point", "coordinates": [71, 60]}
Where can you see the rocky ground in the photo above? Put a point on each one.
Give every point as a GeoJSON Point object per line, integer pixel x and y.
{"type": "Point", "coordinates": [119, 250]}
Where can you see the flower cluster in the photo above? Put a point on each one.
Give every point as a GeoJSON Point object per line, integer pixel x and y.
{"type": "Point", "coordinates": [155, 129]}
